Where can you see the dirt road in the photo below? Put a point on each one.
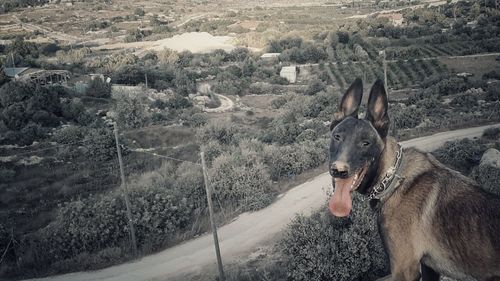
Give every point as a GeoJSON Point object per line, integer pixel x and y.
{"type": "Point", "coordinates": [245, 233]}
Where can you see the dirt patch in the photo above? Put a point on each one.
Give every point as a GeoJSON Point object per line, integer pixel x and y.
{"type": "Point", "coordinates": [195, 42]}
{"type": "Point", "coordinates": [258, 101]}
{"type": "Point", "coordinates": [161, 136]}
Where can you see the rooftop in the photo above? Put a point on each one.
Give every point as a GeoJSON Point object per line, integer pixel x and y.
{"type": "Point", "coordinates": [13, 71]}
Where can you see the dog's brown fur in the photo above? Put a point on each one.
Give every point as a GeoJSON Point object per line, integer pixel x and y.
{"type": "Point", "coordinates": [438, 217]}
{"type": "Point", "coordinates": [437, 221]}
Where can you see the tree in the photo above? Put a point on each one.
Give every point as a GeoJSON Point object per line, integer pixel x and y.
{"type": "Point", "coordinates": [139, 11]}
{"type": "Point", "coordinates": [184, 84]}
{"type": "Point", "coordinates": [130, 113]}
{"type": "Point", "coordinates": [100, 144]}
{"type": "Point", "coordinates": [168, 56]}
{"type": "Point", "coordinates": [314, 87]}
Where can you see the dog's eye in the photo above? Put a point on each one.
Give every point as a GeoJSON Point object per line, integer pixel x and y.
{"type": "Point", "coordinates": [336, 137]}
{"type": "Point", "coordinates": [365, 143]}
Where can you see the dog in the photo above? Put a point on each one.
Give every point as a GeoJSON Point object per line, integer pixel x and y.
{"type": "Point", "coordinates": [432, 220]}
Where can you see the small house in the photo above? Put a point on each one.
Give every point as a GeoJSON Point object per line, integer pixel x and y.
{"type": "Point", "coordinates": [289, 73]}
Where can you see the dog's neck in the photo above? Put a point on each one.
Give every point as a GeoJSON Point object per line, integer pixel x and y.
{"type": "Point", "coordinates": [387, 159]}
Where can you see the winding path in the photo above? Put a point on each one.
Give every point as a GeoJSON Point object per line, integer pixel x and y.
{"type": "Point", "coordinates": [244, 234]}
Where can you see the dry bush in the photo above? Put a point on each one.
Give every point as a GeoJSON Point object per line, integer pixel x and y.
{"type": "Point", "coordinates": [167, 56]}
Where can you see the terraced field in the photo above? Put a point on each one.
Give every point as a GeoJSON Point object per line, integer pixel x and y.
{"type": "Point", "coordinates": [400, 74]}
{"type": "Point", "coordinates": [406, 65]}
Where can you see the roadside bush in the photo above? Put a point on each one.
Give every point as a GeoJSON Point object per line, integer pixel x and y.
{"type": "Point", "coordinates": [323, 247]}
{"type": "Point", "coordinates": [92, 224]}
{"type": "Point", "coordinates": [291, 160]}
{"type": "Point", "coordinates": [491, 134]}
{"type": "Point", "coordinates": [241, 181]}
{"type": "Point", "coordinates": [222, 132]}
{"type": "Point", "coordinates": [488, 178]}
{"type": "Point", "coordinates": [461, 155]}
{"type": "Point", "coordinates": [189, 181]}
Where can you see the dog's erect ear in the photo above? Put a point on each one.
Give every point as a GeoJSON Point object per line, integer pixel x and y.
{"type": "Point", "coordinates": [377, 109]}
{"type": "Point", "coordinates": [350, 102]}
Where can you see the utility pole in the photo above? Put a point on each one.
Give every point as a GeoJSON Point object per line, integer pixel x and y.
{"type": "Point", "coordinates": [210, 210]}
{"type": "Point", "coordinates": [384, 61]}
{"type": "Point", "coordinates": [146, 79]}
{"type": "Point", "coordinates": [13, 62]}
{"type": "Point", "coordinates": [125, 193]}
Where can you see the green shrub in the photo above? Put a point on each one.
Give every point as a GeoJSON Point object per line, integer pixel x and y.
{"type": "Point", "coordinates": [30, 133]}
{"type": "Point", "coordinates": [96, 223]}
{"type": "Point", "coordinates": [130, 112]}
{"type": "Point", "coordinates": [99, 88]}
{"type": "Point", "coordinates": [493, 92]}
{"type": "Point", "coordinates": [73, 109]}
{"type": "Point", "coordinates": [222, 132]}
{"type": "Point", "coordinates": [404, 117]}
{"type": "Point", "coordinates": [69, 134]}
{"type": "Point", "coordinates": [465, 101]}
{"type": "Point", "coordinates": [213, 102]}
{"type": "Point", "coordinates": [279, 102]}
{"type": "Point", "coordinates": [177, 101]}
{"type": "Point", "coordinates": [492, 133]}
{"type": "Point", "coordinates": [284, 129]}
{"type": "Point", "coordinates": [213, 149]}
{"type": "Point", "coordinates": [291, 160]}
{"type": "Point", "coordinates": [461, 155]}
{"type": "Point", "coordinates": [314, 87]}
{"type": "Point", "coordinates": [241, 181]}
{"type": "Point", "coordinates": [323, 247]}
{"type": "Point", "coordinates": [197, 120]}
{"type": "Point", "coordinates": [100, 144]}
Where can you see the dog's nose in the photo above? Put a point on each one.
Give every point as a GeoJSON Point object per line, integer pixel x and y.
{"type": "Point", "coordinates": [339, 169]}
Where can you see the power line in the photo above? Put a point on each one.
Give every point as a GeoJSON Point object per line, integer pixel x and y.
{"type": "Point", "coordinates": [163, 156]}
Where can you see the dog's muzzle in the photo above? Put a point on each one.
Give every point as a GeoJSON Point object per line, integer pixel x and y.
{"type": "Point", "coordinates": [339, 170]}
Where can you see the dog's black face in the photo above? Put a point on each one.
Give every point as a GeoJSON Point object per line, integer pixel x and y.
{"type": "Point", "coordinates": [355, 147]}
{"type": "Point", "coordinates": [356, 144]}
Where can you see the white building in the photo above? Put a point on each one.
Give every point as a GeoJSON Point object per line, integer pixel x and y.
{"type": "Point", "coordinates": [270, 55]}
{"type": "Point", "coordinates": [289, 73]}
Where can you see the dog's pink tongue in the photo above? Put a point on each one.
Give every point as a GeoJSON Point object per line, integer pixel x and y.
{"type": "Point", "coordinates": [341, 202]}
